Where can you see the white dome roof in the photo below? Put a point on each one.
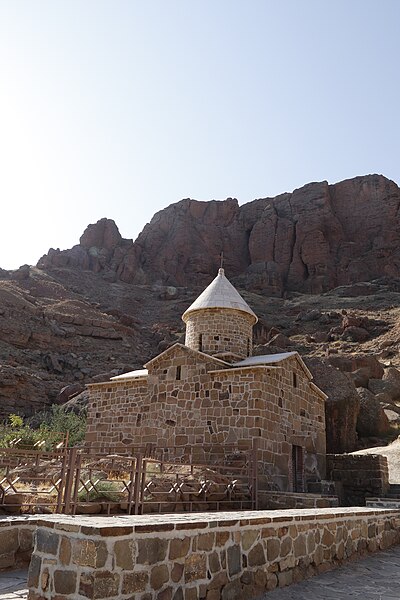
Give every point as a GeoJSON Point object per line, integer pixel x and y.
{"type": "Point", "coordinates": [220, 294]}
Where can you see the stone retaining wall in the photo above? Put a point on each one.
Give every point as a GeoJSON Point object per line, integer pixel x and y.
{"type": "Point", "coordinates": [268, 500]}
{"type": "Point", "coordinates": [16, 541]}
{"type": "Point", "coordinates": [359, 476]}
{"type": "Point", "coordinates": [227, 556]}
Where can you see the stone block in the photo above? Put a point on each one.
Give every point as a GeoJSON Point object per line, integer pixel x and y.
{"type": "Point", "coordinates": [221, 538]}
{"type": "Point", "coordinates": [151, 551]}
{"type": "Point", "coordinates": [65, 551]}
{"type": "Point", "coordinates": [89, 553]}
{"type": "Point", "coordinates": [178, 548]}
{"type": "Point", "coordinates": [9, 540]}
{"type": "Point", "coordinates": [25, 539]}
{"type": "Point", "coordinates": [34, 571]}
{"type": "Point", "coordinates": [256, 556]}
{"type": "Point", "coordinates": [165, 594]}
{"type": "Point", "coordinates": [134, 582]}
{"type": "Point", "coordinates": [64, 582]}
{"type": "Point", "coordinates": [327, 537]}
{"type": "Point", "coordinates": [213, 562]}
{"type": "Point", "coordinates": [272, 581]}
{"type": "Point", "coordinates": [234, 560]}
{"type": "Point", "coordinates": [195, 567]}
{"type": "Point", "coordinates": [44, 579]}
{"type": "Point", "coordinates": [205, 541]}
{"type": "Point", "coordinates": [178, 595]}
{"type": "Point", "coordinates": [124, 552]}
{"type": "Point", "coordinates": [248, 538]}
{"type": "Point", "coordinates": [285, 578]}
{"type": "Point", "coordinates": [177, 572]}
{"type": "Point", "coordinates": [273, 549]}
{"type": "Point", "coordinates": [232, 591]}
{"type": "Point", "coordinates": [46, 541]}
{"type": "Point", "coordinates": [260, 578]}
{"type": "Point", "coordinates": [106, 584]}
{"type": "Point", "coordinates": [286, 546]}
{"type": "Point", "coordinates": [213, 595]}
{"type": "Point", "coordinates": [287, 563]}
{"type": "Point", "coordinates": [299, 546]}
{"type": "Point", "coordinates": [158, 576]}
{"type": "Point", "coordinates": [86, 585]}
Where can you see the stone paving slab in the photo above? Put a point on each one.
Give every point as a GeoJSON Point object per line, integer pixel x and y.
{"type": "Point", "coordinates": [376, 577]}
{"type": "Point", "coordinates": [13, 585]}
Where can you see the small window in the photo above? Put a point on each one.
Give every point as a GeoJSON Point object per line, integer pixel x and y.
{"type": "Point", "coordinates": [248, 346]}
{"type": "Point", "coordinates": [201, 342]}
{"type": "Point", "coordinates": [178, 373]}
{"type": "Point", "coordinates": [295, 380]}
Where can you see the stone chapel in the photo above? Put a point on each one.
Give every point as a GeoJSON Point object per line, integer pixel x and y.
{"type": "Point", "coordinates": [212, 391]}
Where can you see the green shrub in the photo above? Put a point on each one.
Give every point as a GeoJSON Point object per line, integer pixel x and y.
{"type": "Point", "coordinates": [25, 436]}
{"type": "Point", "coordinates": [16, 421]}
{"type": "Point", "coordinates": [58, 420]}
{"type": "Point", "coordinates": [49, 426]}
{"type": "Point", "coordinates": [105, 490]}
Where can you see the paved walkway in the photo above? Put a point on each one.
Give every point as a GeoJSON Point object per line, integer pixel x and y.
{"type": "Point", "coordinates": [13, 585]}
{"type": "Point", "coordinates": [376, 577]}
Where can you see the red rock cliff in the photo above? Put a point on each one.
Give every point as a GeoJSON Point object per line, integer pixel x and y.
{"type": "Point", "coordinates": [311, 240]}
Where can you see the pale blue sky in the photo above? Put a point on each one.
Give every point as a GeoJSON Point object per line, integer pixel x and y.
{"type": "Point", "coordinates": [118, 108]}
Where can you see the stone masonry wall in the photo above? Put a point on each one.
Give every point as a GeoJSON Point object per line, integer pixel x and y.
{"type": "Point", "coordinates": [16, 541]}
{"type": "Point", "coordinates": [221, 330]}
{"type": "Point", "coordinates": [229, 556]}
{"type": "Point", "coordinates": [359, 476]}
{"type": "Point", "coordinates": [215, 405]}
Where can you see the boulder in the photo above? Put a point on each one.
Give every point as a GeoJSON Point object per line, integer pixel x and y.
{"type": "Point", "coordinates": [280, 340]}
{"type": "Point", "coordinates": [392, 416]}
{"type": "Point", "coordinates": [349, 320]}
{"type": "Point", "coordinates": [68, 392]}
{"type": "Point", "coordinates": [372, 420]}
{"type": "Point", "coordinates": [355, 334]}
{"type": "Point", "coordinates": [353, 362]}
{"type": "Point", "coordinates": [392, 376]}
{"type": "Point", "coordinates": [341, 408]}
{"type": "Point", "coordinates": [389, 386]}
{"type": "Point", "coordinates": [360, 377]}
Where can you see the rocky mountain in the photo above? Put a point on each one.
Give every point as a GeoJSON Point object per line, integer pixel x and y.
{"type": "Point", "coordinates": [319, 266]}
{"type": "Point", "coordinates": [317, 238]}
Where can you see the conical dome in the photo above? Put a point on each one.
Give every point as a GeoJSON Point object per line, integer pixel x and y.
{"type": "Point", "coordinates": [220, 322]}
{"type": "Point", "coordinates": [220, 294]}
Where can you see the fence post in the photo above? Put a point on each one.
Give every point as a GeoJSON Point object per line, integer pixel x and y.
{"type": "Point", "coordinates": [62, 482]}
{"type": "Point", "coordinates": [69, 480]}
{"type": "Point", "coordinates": [77, 481]}
{"type": "Point", "coordinates": [137, 483]}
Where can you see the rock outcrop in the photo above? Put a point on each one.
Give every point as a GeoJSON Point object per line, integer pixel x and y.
{"type": "Point", "coordinates": [342, 406]}
{"type": "Point", "coordinates": [312, 240]}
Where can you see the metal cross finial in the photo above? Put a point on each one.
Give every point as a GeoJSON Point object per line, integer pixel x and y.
{"type": "Point", "coordinates": [222, 260]}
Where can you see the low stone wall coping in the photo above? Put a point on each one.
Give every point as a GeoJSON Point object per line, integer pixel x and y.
{"type": "Point", "coordinates": [125, 524]}
{"type": "Point", "coordinates": [7, 521]}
